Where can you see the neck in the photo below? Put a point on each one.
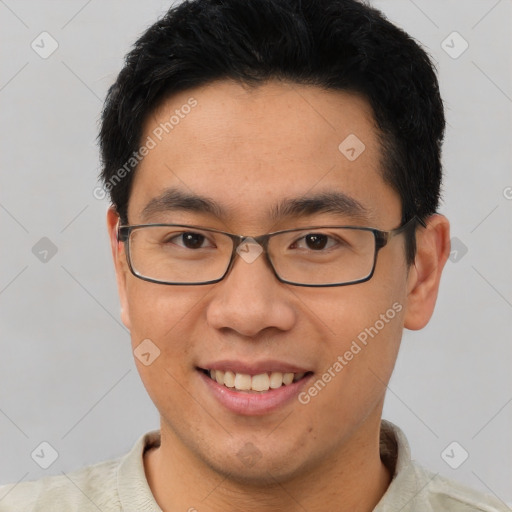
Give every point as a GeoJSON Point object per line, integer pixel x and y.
{"type": "Point", "coordinates": [353, 479]}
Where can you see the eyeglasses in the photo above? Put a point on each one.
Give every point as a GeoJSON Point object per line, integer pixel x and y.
{"type": "Point", "coordinates": [316, 256]}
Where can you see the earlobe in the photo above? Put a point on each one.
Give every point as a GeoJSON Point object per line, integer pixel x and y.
{"type": "Point", "coordinates": [120, 265]}
{"type": "Point", "coordinates": [432, 251]}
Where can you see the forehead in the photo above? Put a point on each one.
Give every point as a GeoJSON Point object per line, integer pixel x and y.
{"type": "Point", "coordinates": [248, 148]}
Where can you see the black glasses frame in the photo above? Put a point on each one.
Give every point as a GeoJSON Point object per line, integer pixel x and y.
{"type": "Point", "coordinates": [381, 240]}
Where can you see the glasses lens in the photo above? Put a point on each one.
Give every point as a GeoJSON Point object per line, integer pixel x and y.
{"type": "Point", "coordinates": [179, 254]}
{"type": "Point", "coordinates": [189, 255]}
{"type": "Point", "coordinates": [323, 256]}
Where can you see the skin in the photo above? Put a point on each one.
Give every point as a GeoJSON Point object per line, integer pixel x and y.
{"type": "Point", "coordinates": [247, 149]}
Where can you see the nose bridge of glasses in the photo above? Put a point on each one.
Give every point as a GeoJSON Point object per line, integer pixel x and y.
{"type": "Point", "coordinates": [239, 240]}
{"type": "Point", "coordinates": [250, 248]}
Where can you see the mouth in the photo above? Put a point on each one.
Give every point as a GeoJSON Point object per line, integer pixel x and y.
{"type": "Point", "coordinates": [261, 383]}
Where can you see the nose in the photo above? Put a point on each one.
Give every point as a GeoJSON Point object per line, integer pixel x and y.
{"type": "Point", "coordinates": [250, 299]}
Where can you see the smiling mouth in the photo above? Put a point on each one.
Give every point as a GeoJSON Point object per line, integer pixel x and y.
{"type": "Point", "coordinates": [261, 383]}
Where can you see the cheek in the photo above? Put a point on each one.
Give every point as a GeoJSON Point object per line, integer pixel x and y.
{"type": "Point", "coordinates": [367, 342]}
{"type": "Point", "coordinates": [361, 312]}
{"type": "Point", "coordinates": [365, 324]}
{"type": "Point", "coordinates": [163, 320]}
{"type": "Point", "coordinates": [155, 308]}
{"type": "Point", "coordinates": [168, 316]}
{"type": "Point", "coordinates": [368, 333]}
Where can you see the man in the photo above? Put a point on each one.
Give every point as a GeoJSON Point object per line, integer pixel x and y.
{"type": "Point", "coordinates": [274, 170]}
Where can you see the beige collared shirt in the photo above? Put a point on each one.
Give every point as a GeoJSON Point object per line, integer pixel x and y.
{"type": "Point", "coordinates": [120, 485]}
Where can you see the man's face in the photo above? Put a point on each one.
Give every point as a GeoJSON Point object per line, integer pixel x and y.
{"type": "Point", "coordinates": [247, 151]}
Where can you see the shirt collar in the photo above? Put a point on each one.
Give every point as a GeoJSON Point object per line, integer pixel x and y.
{"type": "Point", "coordinates": [133, 488]}
{"type": "Point", "coordinates": [409, 480]}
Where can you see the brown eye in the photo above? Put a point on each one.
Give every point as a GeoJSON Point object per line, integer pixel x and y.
{"type": "Point", "coordinates": [316, 241]}
{"type": "Point", "coordinates": [188, 240]}
{"type": "Point", "coordinates": [193, 240]}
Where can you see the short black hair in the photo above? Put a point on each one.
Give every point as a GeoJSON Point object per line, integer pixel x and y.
{"type": "Point", "coordinates": [334, 44]}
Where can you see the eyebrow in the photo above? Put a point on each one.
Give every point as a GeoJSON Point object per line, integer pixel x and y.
{"type": "Point", "coordinates": [176, 200]}
{"type": "Point", "coordinates": [323, 202]}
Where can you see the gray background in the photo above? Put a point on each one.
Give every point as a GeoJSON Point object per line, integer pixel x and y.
{"type": "Point", "coordinates": [66, 372]}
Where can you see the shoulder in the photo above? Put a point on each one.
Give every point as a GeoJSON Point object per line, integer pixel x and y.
{"type": "Point", "coordinates": [414, 488]}
{"type": "Point", "coordinates": [441, 493]}
{"type": "Point", "coordinates": [90, 488]}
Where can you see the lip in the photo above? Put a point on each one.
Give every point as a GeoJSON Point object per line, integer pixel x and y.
{"type": "Point", "coordinates": [253, 404]}
{"type": "Point", "coordinates": [253, 368]}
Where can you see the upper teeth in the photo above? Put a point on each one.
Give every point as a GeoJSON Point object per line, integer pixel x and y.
{"type": "Point", "coordinates": [261, 382]}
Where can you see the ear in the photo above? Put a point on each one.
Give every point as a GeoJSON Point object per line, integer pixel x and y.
{"type": "Point", "coordinates": [120, 264]}
{"type": "Point", "coordinates": [432, 251]}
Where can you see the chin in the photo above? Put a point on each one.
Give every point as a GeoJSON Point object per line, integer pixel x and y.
{"type": "Point", "coordinates": [258, 473]}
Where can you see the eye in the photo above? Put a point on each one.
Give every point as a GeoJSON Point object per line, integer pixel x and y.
{"type": "Point", "coordinates": [315, 242]}
{"type": "Point", "coordinates": [190, 240]}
